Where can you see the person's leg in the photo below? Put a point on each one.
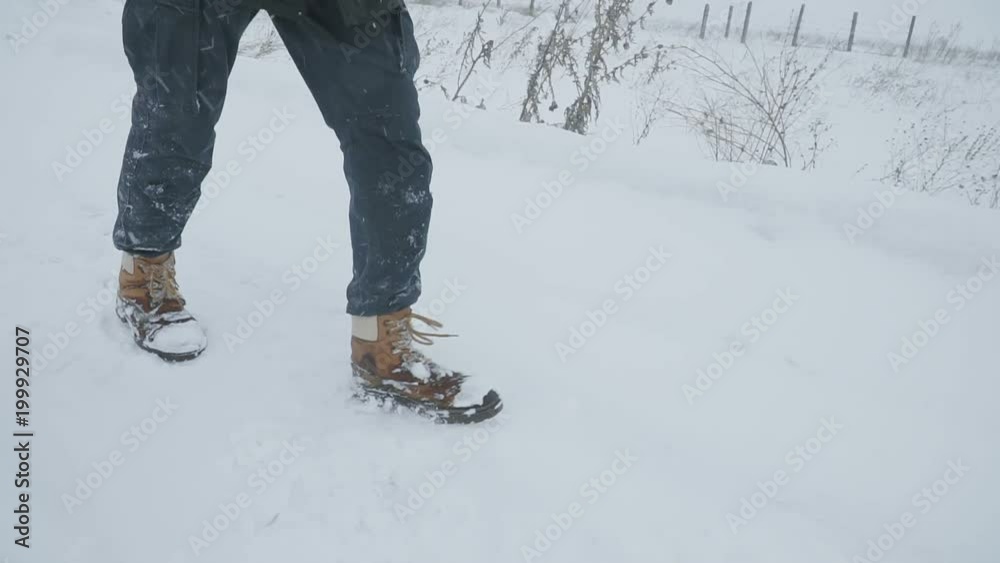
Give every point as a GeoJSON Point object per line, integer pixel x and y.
{"type": "Point", "coordinates": [366, 94]}
{"type": "Point", "coordinates": [181, 53]}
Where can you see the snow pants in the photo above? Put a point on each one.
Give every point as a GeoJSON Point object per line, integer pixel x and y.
{"type": "Point", "coordinates": [182, 53]}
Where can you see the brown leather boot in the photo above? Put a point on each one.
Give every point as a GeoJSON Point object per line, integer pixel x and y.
{"type": "Point", "coordinates": [150, 303]}
{"type": "Point", "coordinates": [389, 369]}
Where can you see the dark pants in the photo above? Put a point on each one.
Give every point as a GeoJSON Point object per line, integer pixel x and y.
{"type": "Point", "coordinates": [182, 52]}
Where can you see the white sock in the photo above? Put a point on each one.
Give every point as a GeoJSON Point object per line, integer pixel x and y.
{"type": "Point", "coordinates": [128, 263]}
{"type": "Point", "coordinates": [365, 328]}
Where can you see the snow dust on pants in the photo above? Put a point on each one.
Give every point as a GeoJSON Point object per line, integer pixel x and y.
{"type": "Point", "coordinates": [182, 52]}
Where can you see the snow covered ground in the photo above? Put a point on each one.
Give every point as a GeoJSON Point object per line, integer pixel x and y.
{"type": "Point", "coordinates": [690, 374]}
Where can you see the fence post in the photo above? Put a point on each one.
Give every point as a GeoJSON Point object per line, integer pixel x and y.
{"type": "Point", "coordinates": [909, 37]}
{"type": "Point", "coordinates": [704, 22]}
{"type": "Point", "coordinates": [746, 23]}
{"type": "Point", "coordinates": [798, 26]}
{"type": "Point", "coordinates": [729, 21]}
{"type": "Point", "coordinates": [854, 29]}
{"type": "Point", "coordinates": [531, 8]}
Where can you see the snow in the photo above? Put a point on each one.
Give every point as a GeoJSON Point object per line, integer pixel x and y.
{"type": "Point", "coordinates": [594, 320]}
{"type": "Point", "coordinates": [182, 336]}
{"type": "Point", "coordinates": [472, 393]}
{"type": "Point", "coordinates": [419, 370]}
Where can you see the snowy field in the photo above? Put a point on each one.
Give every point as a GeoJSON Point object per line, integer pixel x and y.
{"type": "Point", "coordinates": [701, 362]}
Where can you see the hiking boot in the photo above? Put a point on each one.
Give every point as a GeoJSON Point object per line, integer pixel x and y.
{"type": "Point", "coordinates": [388, 369]}
{"type": "Point", "coordinates": [150, 303]}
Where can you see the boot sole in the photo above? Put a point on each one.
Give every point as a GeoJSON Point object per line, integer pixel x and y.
{"type": "Point", "coordinates": [391, 401]}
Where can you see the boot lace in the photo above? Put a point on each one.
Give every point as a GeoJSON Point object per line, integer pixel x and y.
{"type": "Point", "coordinates": [163, 286]}
{"type": "Point", "coordinates": [404, 335]}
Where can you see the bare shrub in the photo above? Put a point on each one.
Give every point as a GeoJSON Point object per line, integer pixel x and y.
{"type": "Point", "coordinates": [940, 154]}
{"type": "Point", "coordinates": [946, 48]}
{"type": "Point", "coordinates": [433, 46]}
{"type": "Point", "coordinates": [477, 50]}
{"type": "Point", "coordinates": [555, 51]}
{"type": "Point", "coordinates": [520, 47]}
{"type": "Point", "coordinates": [900, 82]}
{"type": "Point", "coordinates": [820, 141]}
{"type": "Point", "coordinates": [652, 95]}
{"type": "Point", "coordinates": [611, 36]}
{"type": "Point", "coordinates": [940, 47]}
{"type": "Point", "coordinates": [613, 32]}
{"type": "Point", "coordinates": [647, 111]}
{"type": "Point", "coordinates": [756, 109]}
{"type": "Point", "coordinates": [261, 40]}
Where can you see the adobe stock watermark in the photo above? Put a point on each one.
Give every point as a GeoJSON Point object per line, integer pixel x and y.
{"type": "Point", "coordinates": [795, 460]}
{"type": "Point", "coordinates": [739, 174]}
{"type": "Point", "coordinates": [433, 308]}
{"type": "Point", "coordinates": [230, 512]}
{"type": "Point", "coordinates": [369, 31]}
{"type": "Point", "coordinates": [88, 311]}
{"type": "Point", "coordinates": [958, 298]}
{"type": "Point", "coordinates": [902, 14]}
{"type": "Point", "coordinates": [220, 177]}
{"type": "Point", "coordinates": [753, 330]}
{"type": "Point", "coordinates": [868, 215]}
{"type": "Point", "coordinates": [455, 116]}
{"type": "Point", "coordinates": [462, 451]}
{"type": "Point", "coordinates": [92, 138]}
{"type": "Point", "coordinates": [925, 500]}
{"type": "Point", "coordinates": [581, 159]}
{"type": "Point", "coordinates": [132, 439]}
{"type": "Point", "coordinates": [626, 287]}
{"type": "Point", "coordinates": [293, 277]}
{"type": "Point", "coordinates": [592, 490]}
{"type": "Point", "coordinates": [33, 25]}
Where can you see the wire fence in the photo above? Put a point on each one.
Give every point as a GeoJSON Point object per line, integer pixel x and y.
{"type": "Point", "coordinates": [893, 36]}
{"type": "Point", "coordinates": [897, 35]}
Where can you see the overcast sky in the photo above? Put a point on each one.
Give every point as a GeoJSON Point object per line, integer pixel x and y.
{"type": "Point", "coordinates": [980, 18]}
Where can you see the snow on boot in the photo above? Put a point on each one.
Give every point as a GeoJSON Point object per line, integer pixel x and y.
{"type": "Point", "coordinates": [150, 303]}
{"type": "Point", "coordinates": [388, 369]}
